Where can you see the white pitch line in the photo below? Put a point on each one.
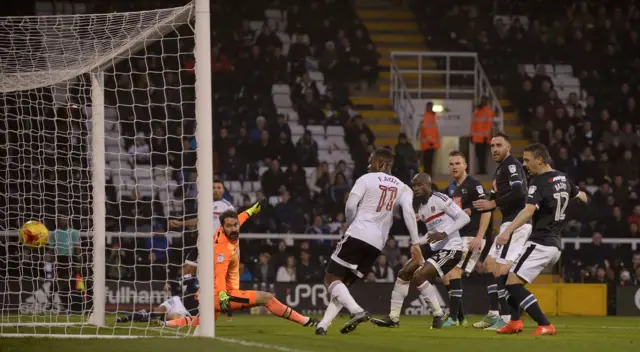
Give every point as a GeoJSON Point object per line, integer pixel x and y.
{"type": "Point", "coordinates": [257, 344]}
{"type": "Point", "coordinates": [604, 327]}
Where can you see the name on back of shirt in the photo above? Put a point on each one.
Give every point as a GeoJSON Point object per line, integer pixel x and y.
{"type": "Point", "coordinates": [389, 179]}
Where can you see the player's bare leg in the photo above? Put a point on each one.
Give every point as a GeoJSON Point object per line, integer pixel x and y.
{"type": "Point", "coordinates": [489, 267]}
{"type": "Point", "coordinates": [425, 278]}
{"type": "Point", "coordinates": [453, 282]}
{"type": "Point", "coordinates": [340, 292]}
{"type": "Point", "coordinates": [527, 302]}
{"type": "Point", "coordinates": [399, 293]}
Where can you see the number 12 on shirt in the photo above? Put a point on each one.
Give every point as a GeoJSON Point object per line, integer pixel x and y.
{"type": "Point", "coordinates": [383, 203]}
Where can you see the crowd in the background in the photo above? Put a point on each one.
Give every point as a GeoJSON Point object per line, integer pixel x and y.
{"type": "Point", "coordinates": [593, 135]}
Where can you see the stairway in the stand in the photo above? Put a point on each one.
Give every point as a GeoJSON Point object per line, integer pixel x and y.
{"type": "Point", "coordinates": [392, 28]}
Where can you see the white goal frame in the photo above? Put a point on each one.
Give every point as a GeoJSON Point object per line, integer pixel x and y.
{"type": "Point", "coordinates": [203, 103]}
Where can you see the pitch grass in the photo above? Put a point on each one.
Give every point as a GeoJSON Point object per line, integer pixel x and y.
{"type": "Point", "coordinates": [255, 333]}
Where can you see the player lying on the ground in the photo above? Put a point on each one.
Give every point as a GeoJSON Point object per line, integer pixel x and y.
{"type": "Point", "coordinates": [464, 190]}
{"type": "Point", "coordinates": [549, 195]}
{"type": "Point", "coordinates": [168, 310]}
{"type": "Point", "coordinates": [228, 296]}
{"type": "Point", "coordinates": [369, 213]}
{"type": "Point", "coordinates": [444, 219]}
{"type": "Point", "coordinates": [509, 194]}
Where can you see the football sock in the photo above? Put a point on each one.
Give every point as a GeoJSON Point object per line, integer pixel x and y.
{"type": "Point", "coordinates": [277, 308]}
{"type": "Point", "coordinates": [399, 293]}
{"type": "Point", "coordinates": [341, 293]}
{"type": "Point", "coordinates": [455, 297]}
{"type": "Point", "coordinates": [185, 321]}
{"type": "Point", "coordinates": [430, 295]}
{"type": "Point", "coordinates": [492, 290]}
{"type": "Point", "coordinates": [333, 309]}
{"type": "Point", "coordinates": [515, 307]}
{"type": "Point", "coordinates": [528, 303]}
{"type": "Point", "coordinates": [502, 298]}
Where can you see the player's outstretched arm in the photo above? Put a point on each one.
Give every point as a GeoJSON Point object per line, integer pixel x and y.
{"type": "Point", "coordinates": [409, 216]}
{"type": "Point", "coordinates": [255, 209]}
{"type": "Point", "coordinates": [460, 218]}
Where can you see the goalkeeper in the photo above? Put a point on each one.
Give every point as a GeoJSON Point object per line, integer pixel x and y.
{"type": "Point", "coordinates": [228, 296]}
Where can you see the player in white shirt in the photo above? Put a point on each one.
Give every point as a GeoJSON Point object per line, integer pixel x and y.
{"type": "Point", "coordinates": [220, 205]}
{"type": "Point", "coordinates": [444, 218]}
{"type": "Point", "coordinates": [369, 214]}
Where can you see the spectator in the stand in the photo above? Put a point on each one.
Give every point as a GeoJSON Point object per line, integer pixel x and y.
{"type": "Point", "coordinates": [348, 62]}
{"type": "Point", "coordinates": [309, 111]}
{"type": "Point", "coordinates": [119, 262]}
{"type": "Point", "coordinates": [368, 58]}
{"type": "Point", "coordinates": [65, 244]}
{"type": "Point", "coordinates": [323, 179]}
{"type": "Point", "coordinates": [287, 272]}
{"type": "Point", "coordinates": [264, 271]}
{"type": "Point", "coordinates": [481, 126]}
{"type": "Point", "coordinates": [232, 167]}
{"type": "Point", "coordinates": [306, 271]}
{"type": "Point", "coordinates": [354, 130]}
{"type": "Point", "coordinates": [285, 150]}
{"type": "Point", "coordinates": [157, 245]}
{"type": "Point", "coordinates": [341, 167]}
{"type": "Point", "coordinates": [317, 227]}
{"type": "Point", "coordinates": [268, 40]}
{"type": "Point", "coordinates": [429, 137]}
{"type": "Point", "coordinates": [392, 252]}
{"type": "Point", "coordinates": [277, 64]}
{"type": "Point", "coordinates": [265, 150]}
{"type": "Point", "coordinates": [139, 152]}
{"type": "Point", "coordinates": [336, 225]}
{"type": "Point", "coordinates": [301, 90]}
{"type": "Point", "coordinates": [280, 126]}
{"type": "Point", "coordinates": [340, 190]}
{"type": "Point", "coordinates": [159, 146]}
{"type": "Point", "coordinates": [596, 253]}
{"type": "Point", "coordinates": [382, 270]}
{"type": "Point", "coordinates": [222, 143]}
{"type": "Point", "coordinates": [296, 180]}
{"type": "Point", "coordinates": [307, 150]}
{"type": "Point", "coordinates": [285, 213]}
{"type": "Point", "coordinates": [635, 216]}
{"type": "Point", "coordinates": [636, 277]}
{"type": "Point", "coordinates": [406, 155]}
{"type": "Point", "coordinates": [273, 179]}
{"type": "Point", "coordinates": [245, 274]}
{"type": "Point", "coordinates": [329, 62]}
{"type": "Point", "coordinates": [628, 166]}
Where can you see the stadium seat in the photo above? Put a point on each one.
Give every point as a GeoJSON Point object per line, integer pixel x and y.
{"type": "Point", "coordinates": [256, 186]}
{"type": "Point", "coordinates": [235, 186]}
{"type": "Point", "coordinates": [143, 173]}
{"type": "Point", "coordinates": [246, 187]}
{"type": "Point", "coordinates": [273, 200]}
{"type": "Point", "coordinates": [338, 142]}
{"type": "Point", "coordinates": [316, 130]}
{"type": "Point", "coordinates": [548, 69]}
{"type": "Point", "coordinates": [323, 143]}
{"type": "Point", "coordinates": [564, 70]}
{"type": "Point", "coordinates": [280, 89]}
{"type": "Point", "coordinates": [126, 173]}
{"type": "Point", "coordinates": [253, 196]}
{"type": "Point", "coordinates": [296, 130]}
{"type": "Point", "coordinates": [161, 181]}
{"type": "Point", "coordinates": [285, 49]}
{"type": "Point", "coordinates": [282, 101]}
{"type": "Point", "coordinates": [335, 131]}
{"type": "Point", "coordinates": [262, 170]}
{"type": "Point", "coordinates": [322, 89]}
{"type": "Point", "coordinates": [284, 37]}
{"type": "Point", "coordinates": [309, 171]}
{"type": "Point", "coordinates": [529, 69]}
{"type": "Point", "coordinates": [316, 76]}
{"type": "Point", "coordinates": [237, 198]}
{"type": "Point", "coordinates": [255, 25]}
{"type": "Point", "coordinates": [274, 14]}
{"type": "Point", "coordinates": [295, 138]}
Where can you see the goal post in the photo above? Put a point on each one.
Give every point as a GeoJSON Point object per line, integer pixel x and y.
{"type": "Point", "coordinates": [100, 116]}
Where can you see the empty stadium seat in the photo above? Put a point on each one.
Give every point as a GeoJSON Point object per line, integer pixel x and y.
{"type": "Point", "coordinates": [284, 37]}
{"type": "Point", "coordinates": [273, 200]}
{"type": "Point", "coordinates": [335, 131]}
{"type": "Point", "coordinates": [296, 130]}
{"type": "Point", "coordinates": [282, 101]}
{"type": "Point", "coordinates": [262, 170]}
{"type": "Point", "coordinates": [564, 70]}
{"type": "Point", "coordinates": [255, 25]}
{"type": "Point", "coordinates": [529, 69]}
{"type": "Point", "coordinates": [316, 76]}
{"type": "Point", "coordinates": [280, 89]}
{"type": "Point", "coordinates": [246, 187]}
{"type": "Point", "coordinates": [143, 173]}
{"type": "Point", "coordinates": [316, 130]}
{"type": "Point", "coordinates": [256, 186]}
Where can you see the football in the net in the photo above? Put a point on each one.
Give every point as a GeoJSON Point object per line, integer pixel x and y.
{"type": "Point", "coordinates": [34, 234]}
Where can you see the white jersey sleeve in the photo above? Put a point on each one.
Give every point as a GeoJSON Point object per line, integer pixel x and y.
{"type": "Point", "coordinates": [409, 216]}
{"type": "Point", "coordinates": [453, 211]}
{"type": "Point", "coordinates": [355, 196]}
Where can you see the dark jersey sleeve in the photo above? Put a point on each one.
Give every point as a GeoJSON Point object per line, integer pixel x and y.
{"type": "Point", "coordinates": [476, 192]}
{"type": "Point", "coordinates": [535, 193]}
{"type": "Point", "coordinates": [192, 257]}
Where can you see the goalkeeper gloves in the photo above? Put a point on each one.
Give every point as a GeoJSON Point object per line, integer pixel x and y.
{"type": "Point", "coordinates": [255, 209]}
{"type": "Point", "coordinates": [224, 301]}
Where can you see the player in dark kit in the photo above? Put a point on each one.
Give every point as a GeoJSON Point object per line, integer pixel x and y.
{"type": "Point", "coordinates": [508, 193]}
{"type": "Point", "coordinates": [547, 200]}
{"type": "Point", "coordinates": [464, 190]}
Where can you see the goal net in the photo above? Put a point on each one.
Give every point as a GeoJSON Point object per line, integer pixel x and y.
{"type": "Point", "coordinates": [97, 142]}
